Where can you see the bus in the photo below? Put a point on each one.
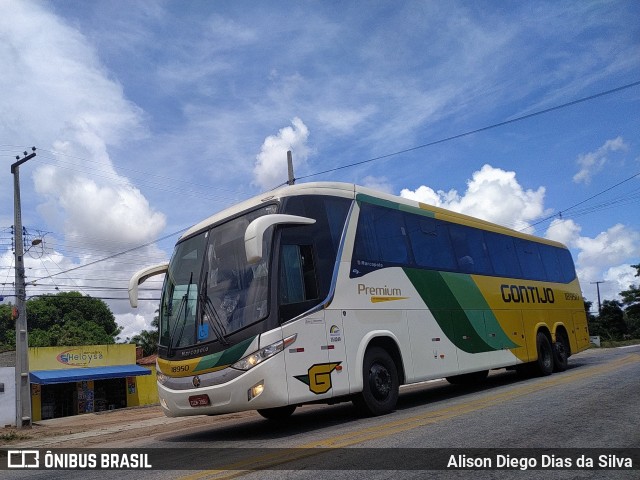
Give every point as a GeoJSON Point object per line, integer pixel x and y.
{"type": "Point", "coordinates": [326, 292]}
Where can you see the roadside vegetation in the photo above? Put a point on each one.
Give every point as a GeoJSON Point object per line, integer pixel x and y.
{"type": "Point", "coordinates": [618, 322]}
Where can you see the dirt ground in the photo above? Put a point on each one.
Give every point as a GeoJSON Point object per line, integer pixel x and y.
{"type": "Point", "coordinates": [93, 429]}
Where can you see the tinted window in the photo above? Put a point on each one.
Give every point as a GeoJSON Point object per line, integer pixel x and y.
{"type": "Point", "coordinates": [430, 243]}
{"type": "Point", "coordinates": [502, 252]}
{"type": "Point", "coordinates": [298, 281]}
{"type": "Point", "coordinates": [387, 235]}
{"type": "Point", "coordinates": [470, 250]}
{"type": "Point", "coordinates": [529, 258]}
{"type": "Point", "coordinates": [566, 265]}
{"type": "Point", "coordinates": [381, 235]}
{"type": "Point", "coordinates": [551, 263]}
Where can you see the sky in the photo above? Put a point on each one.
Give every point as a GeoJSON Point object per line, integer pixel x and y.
{"type": "Point", "coordinates": [150, 116]}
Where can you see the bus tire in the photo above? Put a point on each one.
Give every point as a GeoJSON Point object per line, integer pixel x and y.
{"type": "Point", "coordinates": [381, 384]}
{"type": "Point", "coordinates": [472, 378]}
{"type": "Point", "coordinates": [560, 353]}
{"type": "Point", "coordinates": [278, 413]}
{"type": "Point", "coordinates": [544, 363]}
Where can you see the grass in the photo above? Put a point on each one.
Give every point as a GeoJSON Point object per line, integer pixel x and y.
{"type": "Point", "coordinates": [619, 343]}
{"type": "Point", "coordinates": [13, 436]}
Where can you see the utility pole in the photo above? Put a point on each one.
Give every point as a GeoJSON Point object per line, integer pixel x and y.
{"type": "Point", "coordinates": [23, 385]}
{"type": "Point", "coordinates": [597, 284]}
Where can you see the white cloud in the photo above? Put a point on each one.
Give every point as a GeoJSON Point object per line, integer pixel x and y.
{"type": "Point", "coordinates": [344, 121]}
{"type": "Point", "coordinates": [564, 231]}
{"type": "Point", "coordinates": [492, 194]}
{"type": "Point", "coordinates": [617, 279]}
{"type": "Point", "coordinates": [603, 258]}
{"type": "Point", "coordinates": [271, 163]}
{"type": "Point", "coordinates": [380, 184]}
{"type": "Point", "coordinates": [593, 162]}
{"type": "Point", "coordinates": [97, 215]}
{"type": "Point", "coordinates": [59, 76]}
{"type": "Point", "coordinates": [611, 247]}
{"type": "Point", "coordinates": [56, 90]}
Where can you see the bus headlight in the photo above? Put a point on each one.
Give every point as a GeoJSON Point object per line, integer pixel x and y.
{"type": "Point", "coordinates": [161, 377]}
{"type": "Point", "coordinates": [255, 391]}
{"type": "Point", "coordinates": [259, 356]}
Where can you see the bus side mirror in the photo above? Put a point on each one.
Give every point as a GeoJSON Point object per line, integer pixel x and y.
{"type": "Point", "coordinates": [254, 233]}
{"type": "Point", "coordinates": [142, 275]}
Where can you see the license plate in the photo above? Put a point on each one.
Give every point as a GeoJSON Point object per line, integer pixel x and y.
{"type": "Point", "coordinates": [199, 400]}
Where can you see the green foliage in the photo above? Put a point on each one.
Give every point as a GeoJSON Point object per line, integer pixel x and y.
{"type": "Point", "coordinates": [619, 321]}
{"type": "Point", "coordinates": [67, 318]}
{"type": "Point", "coordinates": [612, 320]}
{"type": "Point", "coordinates": [148, 339]}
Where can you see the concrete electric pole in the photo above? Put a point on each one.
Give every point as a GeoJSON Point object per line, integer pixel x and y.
{"type": "Point", "coordinates": [597, 284]}
{"type": "Point", "coordinates": [23, 385]}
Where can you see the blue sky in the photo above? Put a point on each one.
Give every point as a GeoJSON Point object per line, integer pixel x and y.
{"type": "Point", "coordinates": [150, 116]}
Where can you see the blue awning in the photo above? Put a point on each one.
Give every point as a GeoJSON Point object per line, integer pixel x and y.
{"type": "Point", "coordinates": [47, 377]}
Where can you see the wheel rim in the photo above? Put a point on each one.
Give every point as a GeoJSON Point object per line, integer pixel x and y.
{"type": "Point", "coordinates": [562, 350]}
{"type": "Point", "coordinates": [380, 381]}
{"type": "Point", "coordinates": [547, 358]}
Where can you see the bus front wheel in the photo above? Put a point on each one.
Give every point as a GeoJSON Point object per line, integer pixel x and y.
{"type": "Point", "coordinates": [277, 413]}
{"type": "Point", "coordinates": [380, 383]}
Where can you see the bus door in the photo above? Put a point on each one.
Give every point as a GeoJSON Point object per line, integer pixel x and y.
{"type": "Point", "coordinates": [433, 354]}
{"type": "Point", "coordinates": [339, 376]}
{"type": "Point", "coordinates": [307, 359]}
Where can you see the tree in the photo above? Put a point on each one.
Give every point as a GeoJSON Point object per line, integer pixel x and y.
{"type": "Point", "coordinates": [67, 318]}
{"type": "Point", "coordinates": [595, 327]}
{"type": "Point", "coordinates": [48, 310]}
{"type": "Point", "coordinates": [631, 300]}
{"type": "Point", "coordinates": [7, 328]}
{"type": "Point", "coordinates": [148, 339]}
{"type": "Point", "coordinates": [612, 321]}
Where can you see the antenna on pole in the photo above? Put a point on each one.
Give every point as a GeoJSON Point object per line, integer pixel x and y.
{"type": "Point", "coordinates": [292, 179]}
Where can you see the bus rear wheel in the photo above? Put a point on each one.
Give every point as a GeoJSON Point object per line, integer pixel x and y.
{"type": "Point", "coordinates": [277, 413]}
{"type": "Point", "coordinates": [381, 383]}
{"type": "Point", "coordinates": [544, 364]}
{"type": "Point", "coordinates": [561, 353]}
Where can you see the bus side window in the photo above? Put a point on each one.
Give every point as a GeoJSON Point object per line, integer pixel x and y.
{"type": "Point", "coordinates": [430, 243]}
{"type": "Point", "coordinates": [298, 282]}
{"type": "Point", "coordinates": [530, 261]}
{"type": "Point", "coordinates": [381, 236]}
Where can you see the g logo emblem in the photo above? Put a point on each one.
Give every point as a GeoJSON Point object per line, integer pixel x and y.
{"type": "Point", "coordinates": [319, 377]}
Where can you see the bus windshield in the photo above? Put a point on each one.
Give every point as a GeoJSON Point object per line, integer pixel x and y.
{"type": "Point", "coordinates": [210, 290]}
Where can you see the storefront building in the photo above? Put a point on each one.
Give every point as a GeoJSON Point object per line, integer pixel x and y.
{"type": "Point", "coordinates": [85, 379]}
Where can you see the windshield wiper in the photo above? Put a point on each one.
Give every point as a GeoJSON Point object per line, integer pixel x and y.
{"type": "Point", "coordinates": [183, 304]}
{"type": "Point", "coordinates": [213, 318]}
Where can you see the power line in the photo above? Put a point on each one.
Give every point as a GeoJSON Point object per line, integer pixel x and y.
{"type": "Point", "coordinates": [443, 140]}
{"type": "Point", "coordinates": [477, 130]}
{"type": "Point", "coordinates": [562, 212]}
{"type": "Point", "coordinates": [114, 255]}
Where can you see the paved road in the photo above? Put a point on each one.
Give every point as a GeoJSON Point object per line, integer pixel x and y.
{"type": "Point", "coordinates": [594, 405]}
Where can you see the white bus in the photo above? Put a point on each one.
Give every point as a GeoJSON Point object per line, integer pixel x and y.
{"type": "Point", "coordinates": [330, 292]}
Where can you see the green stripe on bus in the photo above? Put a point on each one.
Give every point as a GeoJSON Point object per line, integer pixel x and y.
{"type": "Point", "coordinates": [472, 301]}
{"type": "Point", "coordinates": [225, 357]}
{"type": "Point", "coordinates": [361, 197]}
{"type": "Point", "coordinates": [460, 310]}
